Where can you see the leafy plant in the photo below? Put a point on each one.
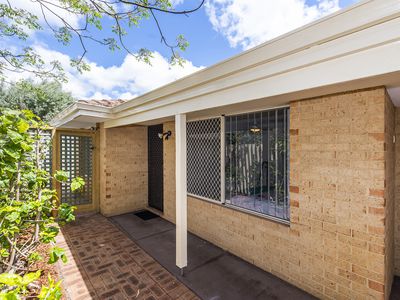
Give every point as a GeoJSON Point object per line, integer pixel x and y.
{"type": "Point", "coordinates": [52, 291]}
{"type": "Point", "coordinates": [26, 203]}
{"type": "Point", "coordinates": [45, 98]}
{"type": "Point", "coordinates": [15, 284]}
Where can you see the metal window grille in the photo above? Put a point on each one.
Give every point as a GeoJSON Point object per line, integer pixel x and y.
{"type": "Point", "coordinates": [204, 158]}
{"type": "Point", "coordinates": [256, 162]}
{"type": "Point", "coordinates": [76, 158]}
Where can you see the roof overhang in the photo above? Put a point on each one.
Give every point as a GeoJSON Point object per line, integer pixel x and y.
{"type": "Point", "coordinates": [352, 49]}
{"type": "Point", "coordinates": [82, 116]}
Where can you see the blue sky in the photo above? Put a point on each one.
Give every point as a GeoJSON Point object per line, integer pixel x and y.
{"type": "Point", "coordinates": [219, 30]}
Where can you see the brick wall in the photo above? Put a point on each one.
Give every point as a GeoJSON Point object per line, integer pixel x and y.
{"type": "Point", "coordinates": [169, 173]}
{"type": "Point", "coordinates": [335, 246]}
{"type": "Point", "coordinates": [123, 169]}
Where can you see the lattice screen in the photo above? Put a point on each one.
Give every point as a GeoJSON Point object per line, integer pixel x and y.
{"type": "Point", "coordinates": [204, 158]}
{"type": "Point", "coordinates": [76, 158]}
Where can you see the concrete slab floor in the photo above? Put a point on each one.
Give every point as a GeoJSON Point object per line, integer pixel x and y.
{"type": "Point", "coordinates": [212, 273]}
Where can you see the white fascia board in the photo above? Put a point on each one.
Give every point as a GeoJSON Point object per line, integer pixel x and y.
{"type": "Point", "coordinates": [77, 110]}
{"type": "Point", "coordinates": [371, 67]}
{"type": "Point", "coordinates": [358, 17]}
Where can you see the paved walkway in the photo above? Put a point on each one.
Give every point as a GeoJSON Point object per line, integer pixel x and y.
{"type": "Point", "coordinates": [212, 273]}
{"type": "Point", "coordinates": [103, 263]}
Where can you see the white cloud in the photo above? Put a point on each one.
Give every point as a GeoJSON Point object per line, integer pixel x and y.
{"type": "Point", "coordinates": [125, 81]}
{"type": "Point", "coordinates": [247, 23]}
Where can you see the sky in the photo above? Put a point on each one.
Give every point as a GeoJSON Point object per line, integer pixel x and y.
{"type": "Point", "coordinates": [219, 30]}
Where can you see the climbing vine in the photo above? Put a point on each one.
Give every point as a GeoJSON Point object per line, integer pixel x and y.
{"type": "Point", "coordinates": [28, 207]}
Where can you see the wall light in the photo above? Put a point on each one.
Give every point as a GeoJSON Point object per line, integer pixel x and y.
{"type": "Point", "coordinates": [165, 134]}
{"type": "Point", "coordinates": [255, 129]}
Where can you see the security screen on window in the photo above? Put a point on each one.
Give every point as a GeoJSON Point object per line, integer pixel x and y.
{"type": "Point", "coordinates": [204, 159]}
{"type": "Point", "coordinates": [256, 162]}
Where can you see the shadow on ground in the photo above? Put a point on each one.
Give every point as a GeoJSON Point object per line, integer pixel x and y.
{"type": "Point", "coordinates": [212, 273]}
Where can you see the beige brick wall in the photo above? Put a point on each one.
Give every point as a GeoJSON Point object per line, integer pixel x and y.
{"type": "Point", "coordinates": [397, 196]}
{"type": "Point", "coordinates": [123, 169]}
{"type": "Point", "coordinates": [335, 246]}
{"type": "Point", "coordinates": [169, 173]}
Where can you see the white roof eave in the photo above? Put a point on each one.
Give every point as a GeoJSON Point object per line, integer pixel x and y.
{"type": "Point", "coordinates": [69, 115]}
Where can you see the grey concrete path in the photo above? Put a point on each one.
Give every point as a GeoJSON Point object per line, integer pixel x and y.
{"type": "Point", "coordinates": [212, 273]}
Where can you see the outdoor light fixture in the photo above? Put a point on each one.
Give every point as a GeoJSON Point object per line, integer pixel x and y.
{"type": "Point", "coordinates": [255, 129]}
{"type": "Point", "coordinates": [165, 134]}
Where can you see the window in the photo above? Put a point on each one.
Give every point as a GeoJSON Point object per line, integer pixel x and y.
{"type": "Point", "coordinates": [256, 162]}
{"type": "Point", "coordinates": [204, 158]}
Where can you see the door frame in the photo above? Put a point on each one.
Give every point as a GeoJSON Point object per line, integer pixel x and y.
{"type": "Point", "coordinates": [56, 164]}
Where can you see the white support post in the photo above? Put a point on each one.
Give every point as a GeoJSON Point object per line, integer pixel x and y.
{"type": "Point", "coordinates": [181, 191]}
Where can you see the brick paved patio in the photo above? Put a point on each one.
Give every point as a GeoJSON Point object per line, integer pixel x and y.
{"type": "Point", "coordinates": [105, 264]}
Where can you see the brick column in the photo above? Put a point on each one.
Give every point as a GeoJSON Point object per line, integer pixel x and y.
{"type": "Point", "coordinates": [341, 190]}
{"type": "Point", "coordinates": [123, 169]}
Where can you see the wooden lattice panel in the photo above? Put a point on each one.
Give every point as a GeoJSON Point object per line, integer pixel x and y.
{"type": "Point", "coordinates": [76, 157]}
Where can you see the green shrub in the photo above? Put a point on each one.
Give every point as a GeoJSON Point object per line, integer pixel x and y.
{"type": "Point", "coordinates": [27, 205]}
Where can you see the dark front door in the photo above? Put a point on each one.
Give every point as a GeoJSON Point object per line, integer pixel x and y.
{"type": "Point", "coordinates": [156, 166]}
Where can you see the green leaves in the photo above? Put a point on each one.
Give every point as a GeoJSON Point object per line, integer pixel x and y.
{"type": "Point", "coordinates": [48, 234]}
{"type": "Point", "coordinates": [30, 277]}
{"type": "Point", "coordinates": [52, 291]}
{"type": "Point", "coordinates": [16, 284]}
{"type": "Point", "coordinates": [66, 213]}
{"type": "Point", "coordinates": [10, 279]}
{"type": "Point", "coordinates": [34, 256]}
{"type": "Point", "coordinates": [27, 205]}
{"type": "Point", "coordinates": [22, 126]}
{"type": "Point", "coordinates": [77, 184]}
{"type": "Point", "coordinates": [44, 98]}
{"type": "Point", "coordinates": [4, 253]}
{"type": "Point", "coordinates": [14, 217]}
{"type": "Point", "coordinates": [57, 253]}
{"type": "Point", "coordinates": [61, 176]}
{"type": "Point", "coordinates": [10, 295]}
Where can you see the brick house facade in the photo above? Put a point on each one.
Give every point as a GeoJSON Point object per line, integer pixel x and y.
{"type": "Point", "coordinates": [336, 83]}
{"type": "Point", "coordinates": [340, 238]}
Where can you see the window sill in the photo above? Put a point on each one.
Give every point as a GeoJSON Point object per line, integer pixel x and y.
{"type": "Point", "coordinates": [243, 210]}
{"type": "Point", "coordinates": [257, 214]}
